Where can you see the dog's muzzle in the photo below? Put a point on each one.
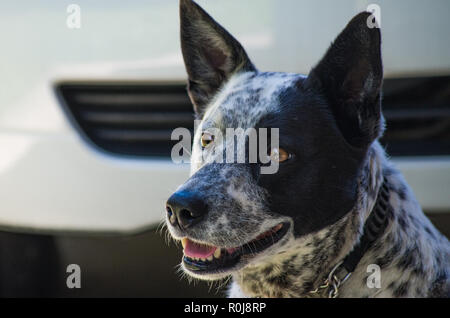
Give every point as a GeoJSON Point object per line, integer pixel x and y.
{"type": "Point", "coordinates": [185, 209]}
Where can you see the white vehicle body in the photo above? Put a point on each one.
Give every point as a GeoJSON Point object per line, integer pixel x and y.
{"type": "Point", "coordinates": [51, 179]}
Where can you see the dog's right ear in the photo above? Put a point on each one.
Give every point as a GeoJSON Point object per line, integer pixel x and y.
{"type": "Point", "coordinates": [210, 53]}
{"type": "Point", "coordinates": [350, 75]}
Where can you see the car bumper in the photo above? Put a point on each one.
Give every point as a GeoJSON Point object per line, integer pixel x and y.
{"type": "Point", "coordinates": [51, 182]}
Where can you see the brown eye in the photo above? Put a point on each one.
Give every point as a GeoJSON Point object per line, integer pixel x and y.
{"type": "Point", "coordinates": [279, 155]}
{"type": "Point", "coordinates": [206, 139]}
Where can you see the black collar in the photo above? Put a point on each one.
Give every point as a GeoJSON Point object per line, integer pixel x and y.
{"type": "Point", "coordinates": [374, 227]}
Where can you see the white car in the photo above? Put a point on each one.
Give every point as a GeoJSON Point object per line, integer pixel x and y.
{"type": "Point", "coordinates": [91, 93]}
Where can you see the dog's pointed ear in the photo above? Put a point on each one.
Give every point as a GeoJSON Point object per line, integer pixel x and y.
{"type": "Point", "coordinates": [350, 76]}
{"type": "Point", "coordinates": [211, 55]}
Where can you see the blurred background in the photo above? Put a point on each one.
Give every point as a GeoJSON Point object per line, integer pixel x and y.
{"type": "Point", "coordinates": [91, 91]}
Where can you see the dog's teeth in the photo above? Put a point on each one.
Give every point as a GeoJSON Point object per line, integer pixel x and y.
{"type": "Point", "coordinates": [210, 258]}
{"type": "Point", "coordinates": [217, 253]}
{"type": "Point", "coordinates": [277, 228]}
{"type": "Point", "coordinates": [184, 242]}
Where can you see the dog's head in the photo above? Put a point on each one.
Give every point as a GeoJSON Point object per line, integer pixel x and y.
{"type": "Point", "coordinates": [230, 215]}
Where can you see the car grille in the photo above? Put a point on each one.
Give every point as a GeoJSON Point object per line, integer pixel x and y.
{"type": "Point", "coordinates": [417, 112]}
{"type": "Point", "coordinates": [138, 119]}
{"type": "Point", "coordinates": [128, 119]}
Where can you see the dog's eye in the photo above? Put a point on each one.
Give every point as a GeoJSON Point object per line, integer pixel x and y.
{"type": "Point", "coordinates": [279, 155]}
{"type": "Point", "coordinates": [206, 139]}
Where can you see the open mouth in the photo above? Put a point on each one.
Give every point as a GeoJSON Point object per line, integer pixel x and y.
{"type": "Point", "coordinates": [208, 259]}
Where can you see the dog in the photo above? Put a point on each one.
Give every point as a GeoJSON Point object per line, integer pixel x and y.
{"type": "Point", "coordinates": [336, 219]}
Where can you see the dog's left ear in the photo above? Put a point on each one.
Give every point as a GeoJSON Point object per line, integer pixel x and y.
{"type": "Point", "coordinates": [350, 76]}
{"type": "Point", "coordinates": [210, 53]}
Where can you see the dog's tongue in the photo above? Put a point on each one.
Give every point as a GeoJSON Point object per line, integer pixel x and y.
{"type": "Point", "coordinates": [192, 249]}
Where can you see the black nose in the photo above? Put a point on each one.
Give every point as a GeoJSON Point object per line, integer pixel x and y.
{"type": "Point", "coordinates": [185, 209]}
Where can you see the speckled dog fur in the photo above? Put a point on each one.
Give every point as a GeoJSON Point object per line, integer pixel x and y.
{"type": "Point", "coordinates": [412, 254]}
{"type": "Point", "coordinates": [227, 91]}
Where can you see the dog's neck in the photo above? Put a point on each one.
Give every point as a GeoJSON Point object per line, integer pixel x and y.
{"type": "Point", "coordinates": [409, 247]}
{"type": "Point", "coordinates": [305, 262]}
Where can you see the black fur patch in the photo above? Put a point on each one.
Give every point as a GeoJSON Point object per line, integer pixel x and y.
{"type": "Point", "coordinates": [401, 290]}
